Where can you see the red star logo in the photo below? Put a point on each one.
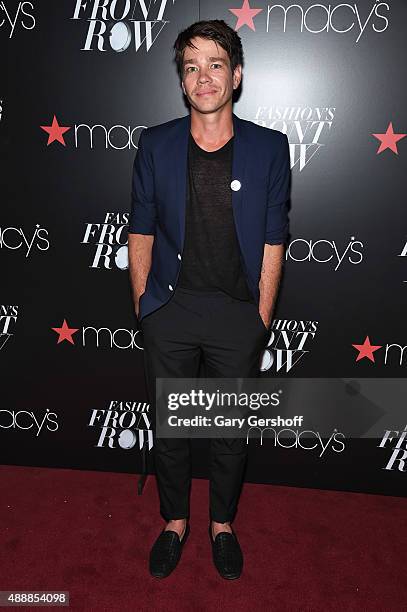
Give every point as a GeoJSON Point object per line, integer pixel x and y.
{"type": "Point", "coordinates": [366, 349]}
{"type": "Point", "coordinates": [245, 15]}
{"type": "Point", "coordinates": [55, 132]}
{"type": "Point", "coordinates": [388, 140]}
{"type": "Point", "coordinates": [65, 332]}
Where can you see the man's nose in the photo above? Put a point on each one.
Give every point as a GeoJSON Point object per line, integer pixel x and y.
{"type": "Point", "coordinates": [204, 75]}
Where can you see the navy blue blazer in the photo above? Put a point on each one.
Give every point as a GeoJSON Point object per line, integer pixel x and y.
{"type": "Point", "coordinates": [260, 193]}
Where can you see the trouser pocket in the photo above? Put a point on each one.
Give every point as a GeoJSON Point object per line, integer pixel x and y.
{"type": "Point", "coordinates": [259, 319]}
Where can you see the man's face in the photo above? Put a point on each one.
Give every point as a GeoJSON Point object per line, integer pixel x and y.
{"type": "Point", "coordinates": [207, 78]}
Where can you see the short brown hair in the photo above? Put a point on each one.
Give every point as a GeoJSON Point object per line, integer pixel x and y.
{"type": "Point", "coordinates": [216, 30]}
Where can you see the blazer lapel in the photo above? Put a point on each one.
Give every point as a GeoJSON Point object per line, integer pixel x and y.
{"type": "Point", "coordinates": [180, 157]}
{"type": "Point", "coordinates": [238, 172]}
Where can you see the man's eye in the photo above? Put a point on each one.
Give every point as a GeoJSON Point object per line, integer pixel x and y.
{"type": "Point", "coordinates": [220, 65]}
{"type": "Point", "coordinates": [190, 68]}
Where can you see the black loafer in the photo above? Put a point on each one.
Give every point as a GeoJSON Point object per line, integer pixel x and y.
{"type": "Point", "coordinates": [166, 552]}
{"type": "Point", "coordinates": [227, 554]}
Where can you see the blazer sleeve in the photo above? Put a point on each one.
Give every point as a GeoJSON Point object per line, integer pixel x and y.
{"type": "Point", "coordinates": [278, 196]}
{"type": "Point", "coordinates": [143, 215]}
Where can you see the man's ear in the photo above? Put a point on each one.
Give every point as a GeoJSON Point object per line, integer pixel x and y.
{"type": "Point", "coordinates": [237, 76]}
{"type": "Point", "coordinates": [183, 88]}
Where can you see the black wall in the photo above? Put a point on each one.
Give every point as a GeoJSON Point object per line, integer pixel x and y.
{"type": "Point", "coordinates": [335, 90]}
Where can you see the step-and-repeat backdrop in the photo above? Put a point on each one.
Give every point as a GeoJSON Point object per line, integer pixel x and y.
{"type": "Point", "coordinates": [80, 80]}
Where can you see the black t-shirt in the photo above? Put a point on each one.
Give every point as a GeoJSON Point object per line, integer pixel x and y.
{"type": "Point", "coordinates": [211, 257]}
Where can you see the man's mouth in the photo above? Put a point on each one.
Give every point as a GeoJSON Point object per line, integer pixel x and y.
{"type": "Point", "coordinates": [205, 93]}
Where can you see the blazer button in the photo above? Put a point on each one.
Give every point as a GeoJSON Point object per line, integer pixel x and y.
{"type": "Point", "coordinates": [235, 185]}
{"type": "Point", "coordinates": [179, 255]}
{"type": "Point", "coordinates": [170, 287]}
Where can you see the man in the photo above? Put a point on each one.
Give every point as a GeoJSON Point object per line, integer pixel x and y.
{"type": "Point", "coordinates": [206, 248]}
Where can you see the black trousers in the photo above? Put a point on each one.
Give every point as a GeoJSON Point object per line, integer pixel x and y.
{"type": "Point", "coordinates": [230, 336]}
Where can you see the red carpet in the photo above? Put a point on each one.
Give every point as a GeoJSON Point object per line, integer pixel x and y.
{"type": "Point", "coordinates": [90, 534]}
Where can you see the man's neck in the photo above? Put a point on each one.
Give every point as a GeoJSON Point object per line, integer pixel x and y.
{"type": "Point", "coordinates": [212, 130]}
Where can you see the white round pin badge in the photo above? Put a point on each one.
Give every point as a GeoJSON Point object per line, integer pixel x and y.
{"type": "Point", "coordinates": [235, 185]}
